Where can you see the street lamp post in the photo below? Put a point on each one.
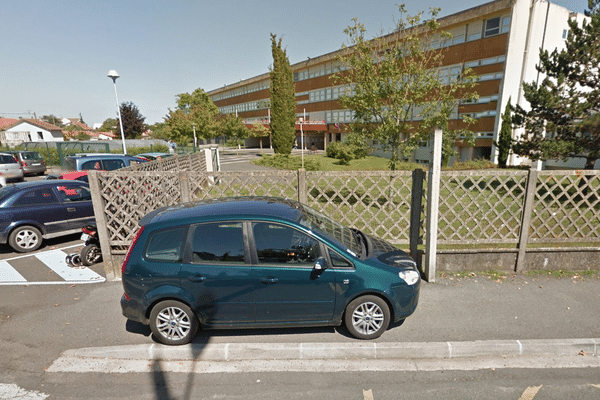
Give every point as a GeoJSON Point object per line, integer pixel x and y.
{"type": "Point", "coordinates": [112, 74]}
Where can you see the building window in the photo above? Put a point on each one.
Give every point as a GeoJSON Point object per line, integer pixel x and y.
{"type": "Point", "coordinates": [40, 135]}
{"type": "Point", "coordinates": [565, 33]}
{"type": "Point", "coordinates": [505, 24]}
{"type": "Point", "coordinates": [492, 27]}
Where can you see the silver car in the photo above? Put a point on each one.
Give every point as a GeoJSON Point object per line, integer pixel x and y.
{"type": "Point", "coordinates": [10, 168]}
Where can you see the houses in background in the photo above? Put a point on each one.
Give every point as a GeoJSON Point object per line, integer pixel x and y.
{"type": "Point", "coordinates": [14, 132]}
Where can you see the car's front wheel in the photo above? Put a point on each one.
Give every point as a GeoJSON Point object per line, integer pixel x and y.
{"type": "Point", "coordinates": [25, 238]}
{"type": "Point", "coordinates": [173, 323]}
{"type": "Point", "coordinates": [367, 317]}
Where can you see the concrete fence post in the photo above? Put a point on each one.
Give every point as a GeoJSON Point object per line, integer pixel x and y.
{"type": "Point", "coordinates": [532, 177]}
{"type": "Point", "coordinates": [433, 205]}
{"type": "Point", "coordinates": [98, 204]}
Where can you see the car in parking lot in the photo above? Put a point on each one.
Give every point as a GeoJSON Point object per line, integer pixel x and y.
{"type": "Point", "coordinates": [10, 169]}
{"type": "Point", "coordinates": [154, 156]}
{"type": "Point", "coordinates": [33, 211]}
{"type": "Point", "coordinates": [31, 162]}
{"type": "Point", "coordinates": [76, 166]}
{"type": "Point", "coordinates": [261, 262]}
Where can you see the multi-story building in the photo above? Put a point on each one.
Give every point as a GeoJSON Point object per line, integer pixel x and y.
{"type": "Point", "coordinates": [499, 40]}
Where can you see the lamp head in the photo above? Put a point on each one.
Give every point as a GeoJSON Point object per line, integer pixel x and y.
{"type": "Point", "coordinates": [113, 74]}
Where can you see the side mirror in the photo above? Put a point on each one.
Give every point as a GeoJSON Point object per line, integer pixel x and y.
{"type": "Point", "coordinates": [320, 264]}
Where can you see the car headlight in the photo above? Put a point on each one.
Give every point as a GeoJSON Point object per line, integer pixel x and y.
{"type": "Point", "coordinates": [409, 276]}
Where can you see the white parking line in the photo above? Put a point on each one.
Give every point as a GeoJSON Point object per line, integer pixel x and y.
{"type": "Point", "coordinates": [54, 260]}
{"type": "Point", "coordinates": [9, 274]}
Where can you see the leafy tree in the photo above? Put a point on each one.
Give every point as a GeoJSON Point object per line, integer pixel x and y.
{"type": "Point", "coordinates": [395, 91]}
{"type": "Point", "coordinates": [259, 130]}
{"type": "Point", "coordinates": [158, 130]}
{"type": "Point", "coordinates": [133, 121]}
{"type": "Point", "coordinates": [559, 123]}
{"type": "Point", "coordinates": [505, 137]}
{"type": "Point", "coordinates": [283, 100]}
{"type": "Point", "coordinates": [196, 108]}
{"type": "Point", "coordinates": [232, 127]}
{"type": "Point", "coordinates": [109, 125]}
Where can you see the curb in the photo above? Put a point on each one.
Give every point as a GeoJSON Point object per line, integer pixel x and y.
{"type": "Point", "coordinates": [342, 351]}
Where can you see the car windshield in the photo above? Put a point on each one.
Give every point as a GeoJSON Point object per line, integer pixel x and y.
{"type": "Point", "coordinates": [6, 192]}
{"type": "Point", "coordinates": [314, 220]}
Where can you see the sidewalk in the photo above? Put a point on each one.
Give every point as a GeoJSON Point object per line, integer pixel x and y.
{"type": "Point", "coordinates": [556, 320]}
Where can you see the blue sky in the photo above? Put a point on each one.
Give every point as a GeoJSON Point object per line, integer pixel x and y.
{"type": "Point", "coordinates": [55, 54]}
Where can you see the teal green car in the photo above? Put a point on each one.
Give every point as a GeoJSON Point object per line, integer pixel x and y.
{"type": "Point", "coordinates": [257, 262]}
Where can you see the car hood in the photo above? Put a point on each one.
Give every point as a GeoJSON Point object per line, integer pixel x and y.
{"type": "Point", "coordinates": [389, 254]}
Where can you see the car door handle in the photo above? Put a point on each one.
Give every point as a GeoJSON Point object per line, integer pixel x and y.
{"type": "Point", "coordinates": [269, 280]}
{"type": "Point", "coordinates": [196, 278]}
{"type": "Point", "coordinates": [71, 209]}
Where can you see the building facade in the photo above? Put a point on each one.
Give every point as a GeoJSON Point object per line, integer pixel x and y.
{"type": "Point", "coordinates": [499, 40]}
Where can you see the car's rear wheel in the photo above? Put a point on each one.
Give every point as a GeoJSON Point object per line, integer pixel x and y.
{"type": "Point", "coordinates": [25, 238]}
{"type": "Point", "coordinates": [367, 317]}
{"type": "Point", "coordinates": [173, 323]}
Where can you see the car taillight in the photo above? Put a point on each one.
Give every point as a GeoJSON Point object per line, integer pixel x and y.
{"type": "Point", "coordinates": [137, 236]}
{"type": "Point", "coordinates": [87, 231]}
{"type": "Point", "coordinates": [23, 164]}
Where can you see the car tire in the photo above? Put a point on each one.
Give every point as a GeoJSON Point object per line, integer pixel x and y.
{"type": "Point", "coordinates": [173, 323]}
{"type": "Point", "coordinates": [90, 255]}
{"type": "Point", "coordinates": [367, 317]}
{"type": "Point", "coordinates": [25, 239]}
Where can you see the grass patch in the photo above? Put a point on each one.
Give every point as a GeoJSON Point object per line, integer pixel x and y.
{"type": "Point", "coordinates": [320, 162]}
{"type": "Point", "coordinates": [563, 274]}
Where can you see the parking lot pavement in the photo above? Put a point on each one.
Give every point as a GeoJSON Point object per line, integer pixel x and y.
{"type": "Point", "coordinates": [45, 268]}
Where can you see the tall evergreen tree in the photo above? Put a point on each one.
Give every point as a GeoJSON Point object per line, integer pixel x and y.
{"type": "Point", "coordinates": [505, 136]}
{"type": "Point", "coordinates": [133, 121]}
{"type": "Point", "coordinates": [283, 100]}
{"type": "Point", "coordinates": [557, 124]}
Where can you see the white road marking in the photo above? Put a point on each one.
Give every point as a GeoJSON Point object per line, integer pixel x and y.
{"type": "Point", "coordinates": [55, 260]}
{"type": "Point", "coordinates": [9, 274]}
{"type": "Point", "coordinates": [10, 391]}
{"type": "Point", "coordinates": [530, 392]}
{"type": "Point", "coordinates": [368, 394]}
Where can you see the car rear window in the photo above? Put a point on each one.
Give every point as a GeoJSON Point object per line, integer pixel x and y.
{"type": "Point", "coordinates": [30, 155]}
{"type": "Point", "coordinates": [6, 159]}
{"type": "Point", "coordinates": [70, 164]}
{"type": "Point", "coordinates": [166, 245]}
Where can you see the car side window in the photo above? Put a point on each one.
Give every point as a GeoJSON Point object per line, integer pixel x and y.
{"type": "Point", "coordinates": [95, 164]}
{"type": "Point", "coordinates": [111, 165]}
{"type": "Point", "coordinates": [337, 261]}
{"type": "Point", "coordinates": [280, 244]}
{"type": "Point", "coordinates": [37, 196]}
{"type": "Point", "coordinates": [72, 193]}
{"type": "Point", "coordinates": [217, 243]}
{"type": "Point", "coordinates": [166, 245]}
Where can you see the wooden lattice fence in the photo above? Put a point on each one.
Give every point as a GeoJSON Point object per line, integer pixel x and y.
{"type": "Point", "coordinates": [490, 207]}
